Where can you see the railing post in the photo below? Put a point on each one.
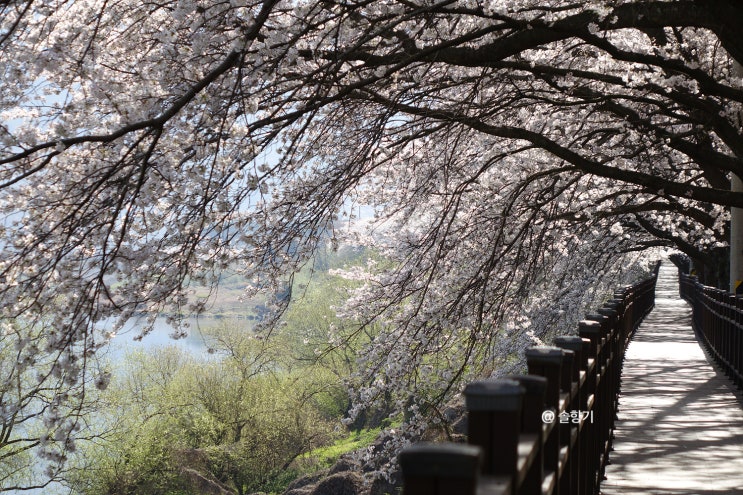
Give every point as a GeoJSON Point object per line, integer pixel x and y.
{"type": "Point", "coordinates": [631, 308]}
{"type": "Point", "coordinates": [578, 455]}
{"type": "Point", "coordinates": [614, 342]}
{"type": "Point", "coordinates": [568, 484]}
{"type": "Point", "coordinates": [535, 389]}
{"type": "Point", "coordinates": [609, 387]}
{"type": "Point", "coordinates": [494, 423]}
{"type": "Point", "coordinates": [593, 331]}
{"type": "Point", "coordinates": [738, 340]}
{"type": "Point", "coordinates": [727, 337]}
{"type": "Point", "coordinates": [547, 362]}
{"type": "Point", "coordinates": [440, 469]}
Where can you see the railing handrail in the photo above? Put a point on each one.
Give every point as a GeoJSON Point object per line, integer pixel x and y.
{"type": "Point", "coordinates": [514, 448]}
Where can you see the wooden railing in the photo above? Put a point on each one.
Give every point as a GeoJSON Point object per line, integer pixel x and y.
{"type": "Point", "coordinates": [718, 322]}
{"type": "Point", "coordinates": [548, 432]}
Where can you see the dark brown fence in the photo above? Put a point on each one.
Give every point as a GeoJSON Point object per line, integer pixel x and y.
{"type": "Point", "coordinates": [718, 322]}
{"type": "Point", "coordinates": [548, 432]}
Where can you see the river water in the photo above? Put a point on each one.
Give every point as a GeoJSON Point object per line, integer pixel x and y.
{"type": "Point", "coordinates": [194, 342]}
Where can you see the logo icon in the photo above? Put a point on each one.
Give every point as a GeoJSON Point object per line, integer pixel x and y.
{"type": "Point", "coordinates": [548, 416]}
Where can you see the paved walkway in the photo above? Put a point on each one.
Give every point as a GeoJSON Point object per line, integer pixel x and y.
{"type": "Point", "coordinates": [680, 428]}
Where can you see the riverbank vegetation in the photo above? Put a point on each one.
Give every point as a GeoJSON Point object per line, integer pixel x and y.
{"type": "Point", "coordinates": [249, 415]}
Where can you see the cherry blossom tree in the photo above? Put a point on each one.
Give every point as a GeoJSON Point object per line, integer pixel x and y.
{"type": "Point", "coordinates": [516, 155]}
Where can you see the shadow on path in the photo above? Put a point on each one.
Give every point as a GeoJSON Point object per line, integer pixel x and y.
{"type": "Point", "coordinates": [680, 421]}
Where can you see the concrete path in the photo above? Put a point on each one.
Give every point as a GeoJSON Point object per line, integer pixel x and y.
{"type": "Point", "coordinates": [680, 427]}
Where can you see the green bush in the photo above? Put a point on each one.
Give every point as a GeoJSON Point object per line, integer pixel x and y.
{"type": "Point", "coordinates": [182, 426]}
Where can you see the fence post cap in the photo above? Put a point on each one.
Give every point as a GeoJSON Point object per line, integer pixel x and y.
{"type": "Point", "coordinates": [596, 317]}
{"type": "Point", "coordinates": [589, 326]}
{"type": "Point", "coordinates": [442, 460]}
{"type": "Point", "coordinates": [494, 395]}
{"type": "Point", "coordinates": [533, 384]}
{"type": "Point", "coordinates": [571, 342]}
{"type": "Point", "coordinates": [608, 311]}
{"type": "Point", "coordinates": [543, 354]}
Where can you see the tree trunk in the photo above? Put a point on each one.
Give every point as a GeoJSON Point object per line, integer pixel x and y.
{"type": "Point", "coordinates": [736, 220]}
{"type": "Point", "coordinates": [736, 241]}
